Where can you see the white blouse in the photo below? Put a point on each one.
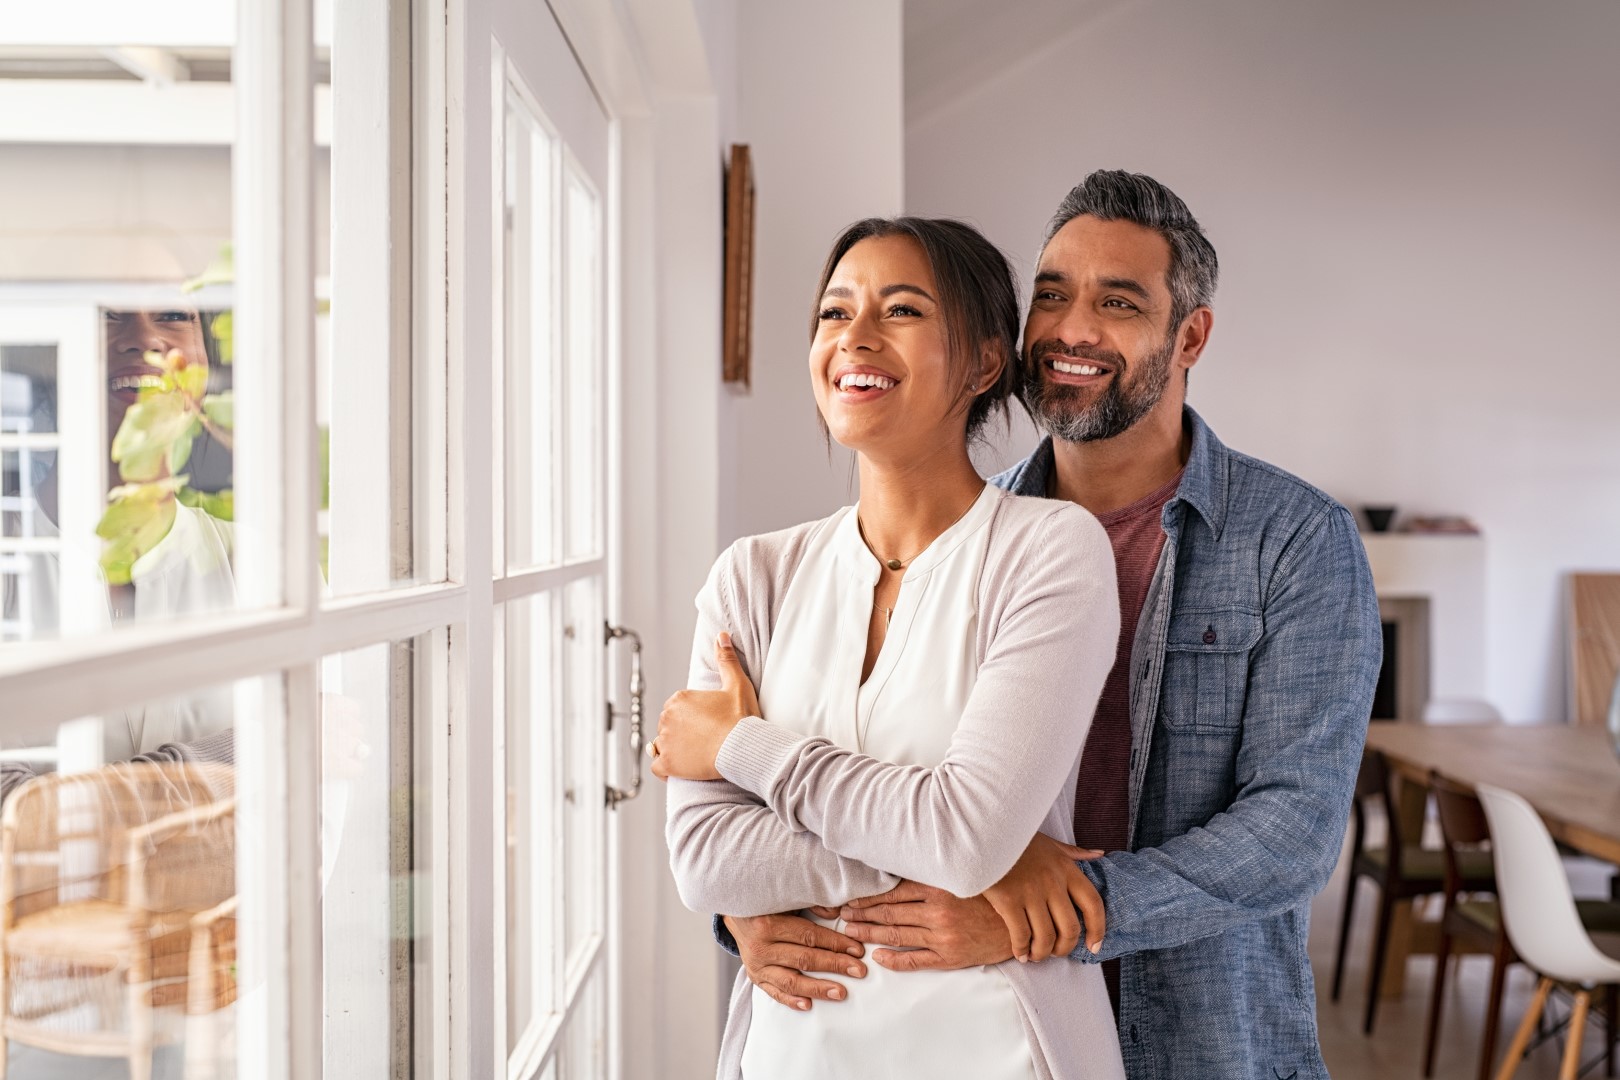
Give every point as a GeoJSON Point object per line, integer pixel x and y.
{"type": "Point", "coordinates": [925, 1024]}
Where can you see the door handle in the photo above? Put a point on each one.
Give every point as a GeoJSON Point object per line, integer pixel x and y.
{"type": "Point", "coordinates": [638, 692]}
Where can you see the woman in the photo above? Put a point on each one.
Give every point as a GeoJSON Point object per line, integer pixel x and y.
{"type": "Point", "coordinates": [927, 663]}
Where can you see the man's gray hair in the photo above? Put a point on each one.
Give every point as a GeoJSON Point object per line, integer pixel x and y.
{"type": "Point", "coordinates": [1116, 195]}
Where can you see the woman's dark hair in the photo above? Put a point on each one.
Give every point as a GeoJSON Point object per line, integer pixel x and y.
{"type": "Point", "coordinates": [976, 294]}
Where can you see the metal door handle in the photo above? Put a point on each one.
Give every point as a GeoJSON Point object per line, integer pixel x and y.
{"type": "Point", "coordinates": [638, 691]}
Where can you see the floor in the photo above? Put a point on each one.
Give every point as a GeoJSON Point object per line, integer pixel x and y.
{"type": "Point", "coordinates": [1396, 1046]}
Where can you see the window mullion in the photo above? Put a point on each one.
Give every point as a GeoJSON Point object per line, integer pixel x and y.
{"type": "Point", "coordinates": [274, 228]}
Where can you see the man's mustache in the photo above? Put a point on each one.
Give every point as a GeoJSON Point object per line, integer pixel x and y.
{"type": "Point", "coordinates": [1052, 347]}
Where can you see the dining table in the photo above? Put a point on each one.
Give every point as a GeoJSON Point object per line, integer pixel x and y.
{"type": "Point", "coordinates": [1569, 773]}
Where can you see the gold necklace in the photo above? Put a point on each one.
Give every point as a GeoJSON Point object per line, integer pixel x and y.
{"type": "Point", "coordinates": [901, 564]}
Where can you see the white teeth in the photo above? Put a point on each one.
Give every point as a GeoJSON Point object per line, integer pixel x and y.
{"type": "Point", "coordinates": [136, 382]}
{"type": "Point", "coordinates": [1075, 369]}
{"type": "Point", "coordinates": [855, 379]}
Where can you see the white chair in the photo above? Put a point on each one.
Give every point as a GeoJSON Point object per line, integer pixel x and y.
{"type": "Point", "coordinates": [1542, 923]}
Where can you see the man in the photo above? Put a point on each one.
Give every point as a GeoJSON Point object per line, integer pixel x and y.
{"type": "Point", "coordinates": [1222, 757]}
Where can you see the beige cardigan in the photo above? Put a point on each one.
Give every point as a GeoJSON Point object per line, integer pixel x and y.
{"type": "Point", "coordinates": [801, 821]}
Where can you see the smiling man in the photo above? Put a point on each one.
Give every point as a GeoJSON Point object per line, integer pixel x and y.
{"type": "Point", "coordinates": [1217, 775]}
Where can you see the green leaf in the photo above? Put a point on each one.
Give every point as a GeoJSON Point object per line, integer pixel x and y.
{"type": "Point", "coordinates": [224, 328]}
{"type": "Point", "coordinates": [140, 516]}
{"type": "Point", "coordinates": [325, 434]}
{"type": "Point", "coordinates": [221, 409]}
{"type": "Point", "coordinates": [145, 440]}
{"type": "Point", "coordinates": [180, 449]}
{"type": "Point", "coordinates": [193, 378]}
{"type": "Point", "coordinates": [221, 270]}
{"type": "Point", "coordinates": [219, 504]}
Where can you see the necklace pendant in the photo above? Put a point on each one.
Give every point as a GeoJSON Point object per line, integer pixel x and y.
{"type": "Point", "coordinates": [894, 564]}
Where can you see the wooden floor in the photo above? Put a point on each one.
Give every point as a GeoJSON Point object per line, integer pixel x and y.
{"type": "Point", "coordinates": [1395, 1049]}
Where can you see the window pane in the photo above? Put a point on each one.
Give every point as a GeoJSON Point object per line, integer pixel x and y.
{"type": "Point", "coordinates": [583, 1055]}
{"type": "Point", "coordinates": [373, 857]}
{"type": "Point", "coordinates": [116, 274]}
{"type": "Point", "coordinates": [554, 703]}
{"type": "Point", "coordinates": [586, 412]}
{"type": "Point", "coordinates": [124, 885]}
{"type": "Point", "coordinates": [365, 378]}
{"type": "Point", "coordinates": [531, 696]}
{"type": "Point", "coordinates": [583, 747]}
{"type": "Point", "coordinates": [28, 389]}
{"type": "Point", "coordinates": [533, 375]}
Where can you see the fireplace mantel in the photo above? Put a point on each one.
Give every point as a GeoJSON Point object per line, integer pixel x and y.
{"type": "Point", "coordinates": [1449, 571]}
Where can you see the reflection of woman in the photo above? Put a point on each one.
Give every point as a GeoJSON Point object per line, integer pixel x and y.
{"type": "Point", "coordinates": [927, 664]}
{"type": "Point", "coordinates": [187, 572]}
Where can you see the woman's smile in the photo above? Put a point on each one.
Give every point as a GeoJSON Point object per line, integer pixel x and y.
{"type": "Point", "coordinates": [859, 383]}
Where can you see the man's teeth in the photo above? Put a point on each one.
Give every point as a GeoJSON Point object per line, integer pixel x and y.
{"type": "Point", "coordinates": [848, 382]}
{"type": "Point", "coordinates": [136, 382]}
{"type": "Point", "coordinates": [1075, 369]}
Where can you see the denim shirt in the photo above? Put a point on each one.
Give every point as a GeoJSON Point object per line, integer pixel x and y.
{"type": "Point", "coordinates": [1252, 678]}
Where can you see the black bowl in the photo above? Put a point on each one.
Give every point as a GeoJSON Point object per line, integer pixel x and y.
{"type": "Point", "coordinates": [1379, 517]}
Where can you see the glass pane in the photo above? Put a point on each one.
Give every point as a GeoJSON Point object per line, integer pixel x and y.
{"type": "Point", "coordinates": [365, 386]}
{"type": "Point", "coordinates": [586, 412]}
{"type": "Point", "coordinates": [105, 950]}
{"type": "Point", "coordinates": [584, 745]}
{"type": "Point", "coordinates": [116, 279]}
{"type": "Point", "coordinates": [373, 857]}
{"type": "Point", "coordinates": [531, 690]}
{"type": "Point", "coordinates": [584, 1052]}
{"type": "Point", "coordinates": [532, 371]}
{"type": "Point", "coordinates": [28, 389]}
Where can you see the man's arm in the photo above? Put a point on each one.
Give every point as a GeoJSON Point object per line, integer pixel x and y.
{"type": "Point", "coordinates": [1309, 696]}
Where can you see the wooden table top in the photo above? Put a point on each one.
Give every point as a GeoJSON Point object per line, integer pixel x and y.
{"type": "Point", "coordinates": [1569, 774]}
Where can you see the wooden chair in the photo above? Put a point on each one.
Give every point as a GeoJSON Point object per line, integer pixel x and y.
{"type": "Point", "coordinates": [1477, 920]}
{"type": "Point", "coordinates": [117, 890]}
{"type": "Point", "coordinates": [1402, 870]}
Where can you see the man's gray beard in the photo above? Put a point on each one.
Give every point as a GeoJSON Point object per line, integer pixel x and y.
{"type": "Point", "coordinates": [1114, 413]}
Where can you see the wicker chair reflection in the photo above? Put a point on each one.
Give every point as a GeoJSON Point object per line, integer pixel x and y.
{"type": "Point", "coordinates": [118, 888]}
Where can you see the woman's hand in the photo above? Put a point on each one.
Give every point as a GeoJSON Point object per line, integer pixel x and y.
{"type": "Point", "coordinates": [695, 723]}
{"type": "Point", "coordinates": [1038, 896]}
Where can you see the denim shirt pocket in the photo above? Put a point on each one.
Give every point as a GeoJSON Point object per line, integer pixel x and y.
{"type": "Point", "coordinates": [1206, 669]}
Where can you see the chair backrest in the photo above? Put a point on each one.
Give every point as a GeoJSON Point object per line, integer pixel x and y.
{"type": "Point", "coordinates": [65, 838]}
{"type": "Point", "coordinates": [1462, 825]}
{"type": "Point", "coordinates": [1537, 904]}
{"type": "Point", "coordinates": [1373, 783]}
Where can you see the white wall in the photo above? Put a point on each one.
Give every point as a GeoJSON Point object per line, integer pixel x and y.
{"type": "Point", "coordinates": [1415, 208]}
{"type": "Point", "coordinates": [119, 213]}
{"type": "Point", "coordinates": [819, 101]}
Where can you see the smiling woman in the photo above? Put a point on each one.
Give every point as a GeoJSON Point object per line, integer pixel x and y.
{"type": "Point", "coordinates": [935, 751]}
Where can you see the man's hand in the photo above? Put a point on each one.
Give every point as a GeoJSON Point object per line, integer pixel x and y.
{"type": "Point", "coordinates": [1028, 914]}
{"type": "Point", "coordinates": [942, 932]}
{"type": "Point", "coordinates": [777, 950]}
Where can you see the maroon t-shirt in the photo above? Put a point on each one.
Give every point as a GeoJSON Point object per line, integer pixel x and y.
{"type": "Point", "coordinates": [1102, 796]}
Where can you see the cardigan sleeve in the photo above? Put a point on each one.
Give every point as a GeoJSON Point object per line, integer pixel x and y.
{"type": "Point", "coordinates": [728, 852]}
{"type": "Point", "coordinates": [960, 825]}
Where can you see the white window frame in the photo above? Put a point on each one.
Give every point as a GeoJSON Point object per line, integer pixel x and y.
{"type": "Point", "coordinates": [283, 631]}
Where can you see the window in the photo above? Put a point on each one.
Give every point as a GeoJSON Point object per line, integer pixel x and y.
{"type": "Point", "coordinates": [226, 635]}
{"type": "Point", "coordinates": [554, 623]}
